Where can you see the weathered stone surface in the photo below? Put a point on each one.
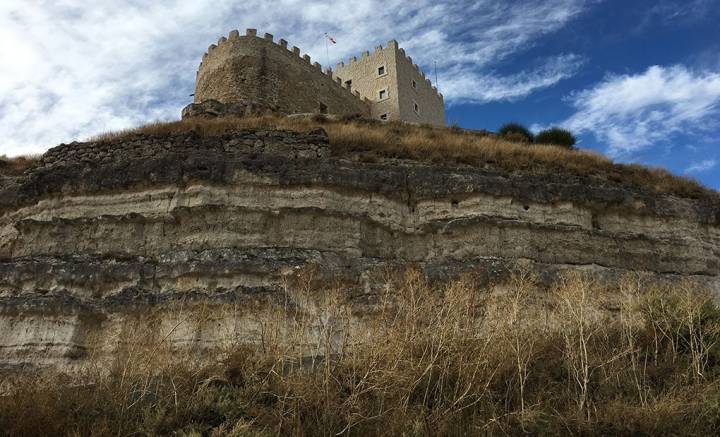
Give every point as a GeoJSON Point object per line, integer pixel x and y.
{"type": "Point", "coordinates": [98, 234]}
{"type": "Point", "coordinates": [213, 108]}
{"type": "Point", "coordinates": [251, 69]}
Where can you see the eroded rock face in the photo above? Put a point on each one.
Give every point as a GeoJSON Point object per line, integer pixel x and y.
{"type": "Point", "coordinates": [97, 234]}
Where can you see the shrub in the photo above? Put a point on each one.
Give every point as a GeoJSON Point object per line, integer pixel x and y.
{"type": "Point", "coordinates": [319, 118]}
{"type": "Point", "coordinates": [556, 136]}
{"type": "Point", "coordinates": [16, 165]}
{"type": "Point", "coordinates": [516, 132]}
{"type": "Point", "coordinates": [468, 147]}
{"type": "Point", "coordinates": [346, 118]}
{"type": "Point", "coordinates": [578, 356]}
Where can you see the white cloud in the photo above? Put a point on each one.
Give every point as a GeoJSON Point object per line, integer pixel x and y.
{"type": "Point", "coordinates": [71, 69]}
{"type": "Point", "coordinates": [488, 87]}
{"type": "Point", "coordinates": [674, 10]}
{"type": "Point", "coordinates": [702, 166]}
{"type": "Point", "coordinates": [78, 71]}
{"type": "Point", "coordinates": [631, 112]}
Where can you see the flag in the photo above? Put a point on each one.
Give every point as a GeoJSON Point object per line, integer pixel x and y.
{"type": "Point", "coordinates": [332, 40]}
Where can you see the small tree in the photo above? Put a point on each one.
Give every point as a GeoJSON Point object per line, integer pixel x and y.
{"type": "Point", "coordinates": [515, 132]}
{"type": "Point", "coordinates": [556, 136]}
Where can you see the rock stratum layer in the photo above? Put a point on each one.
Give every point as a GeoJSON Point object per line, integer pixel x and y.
{"type": "Point", "coordinates": [98, 234]}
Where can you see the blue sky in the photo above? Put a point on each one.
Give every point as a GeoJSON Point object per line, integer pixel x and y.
{"type": "Point", "coordinates": [643, 44]}
{"type": "Point", "coordinates": [636, 80]}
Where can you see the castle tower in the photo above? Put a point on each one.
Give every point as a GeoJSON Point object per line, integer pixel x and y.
{"type": "Point", "coordinates": [245, 74]}
{"type": "Point", "coordinates": [257, 74]}
{"type": "Point", "coordinates": [396, 88]}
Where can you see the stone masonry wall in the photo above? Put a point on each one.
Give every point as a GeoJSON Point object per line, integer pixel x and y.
{"type": "Point", "coordinates": [429, 100]}
{"type": "Point", "coordinates": [242, 69]}
{"type": "Point", "coordinates": [397, 81]}
{"type": "Point", "coordinates": [363, 74]}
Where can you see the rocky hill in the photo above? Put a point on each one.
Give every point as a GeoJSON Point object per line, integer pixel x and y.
{"type": "Point", "coordinates": [95, 234]}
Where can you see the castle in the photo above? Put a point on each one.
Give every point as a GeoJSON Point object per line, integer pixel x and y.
{"type": "Point", "coordinates": [248, 74]}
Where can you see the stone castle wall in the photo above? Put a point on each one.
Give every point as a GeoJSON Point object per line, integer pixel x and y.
{"type": "Point", "coordinates": [400, 73]}
{"type": "Point", "coordinates": [245, 74]}
{"type": "Point", "coordinates": [269, 76]}
{"type": "Point", "coordinates": [364, 78]}
{"type": "Point", "coordinates": [430, 101]}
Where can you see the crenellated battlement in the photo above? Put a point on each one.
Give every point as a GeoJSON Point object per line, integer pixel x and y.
{"type": "Point", "coordinates": [304, 59]}
{"type": "Point", "coordinates": [393, 46]}
{"type": "Point", "coordinates": [263, 72]}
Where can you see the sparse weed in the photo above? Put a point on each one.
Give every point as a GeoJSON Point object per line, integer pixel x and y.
{"type": "Point", "coordinates": [428, 359]}
{"type": "Point", "coordinates": [372, 141]}
{"type": "Point", "coordinates": [16, 165]}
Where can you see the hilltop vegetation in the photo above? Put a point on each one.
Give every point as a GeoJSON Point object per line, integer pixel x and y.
{"type": "Point", "coordinates": [554, 136]}
{"type": "Point", "coordinates": [373, 141]}
{"type": "Point", "coordinates": [366, 140]}
{"type": "Point", "coordinates": [453, 358]}
{"type": "Point", "coordinates": [313, 355]}
{"type": "Point", "coordinates": [16, 165]}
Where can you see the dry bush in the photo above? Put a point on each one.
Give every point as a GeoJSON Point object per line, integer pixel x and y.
{"type": "Point", "coordinates": [423, 359]}
{"type": "Point", "coordinates": [369, 140]}
{"type": "Point", "coordinates": [16, 165]}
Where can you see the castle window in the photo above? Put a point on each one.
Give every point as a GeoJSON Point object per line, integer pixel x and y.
{"type": "Point", "coordinates": [383, 94]}
{"type": "Point", "coordinates": [348, 84]}
{"type": "Point", "coordinates": [414, 84]}
{"type": "Point", "coordinates": [384, 117]}
{"type": "Point", "coordinates": [381, 70]}
{"type": "Point", "coordinates": [416, 107]}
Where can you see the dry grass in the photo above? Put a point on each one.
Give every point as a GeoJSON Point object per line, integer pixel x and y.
{"type": "Point", "coordinates": [16, 165]}
{"type": "Point", "coordinates": [370, 141]}
{"type": "Point", "coordinates": [432, 359]}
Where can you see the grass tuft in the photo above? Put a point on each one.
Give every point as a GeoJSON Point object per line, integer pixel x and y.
{"type": "Point", "coordinates": [451, 358]}
{"type": "Point", "coordinates": [374, 141]}
{"type": "Point", "coordinates": [16, 165]}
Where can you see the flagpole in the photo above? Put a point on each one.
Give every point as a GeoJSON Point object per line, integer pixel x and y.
{"type": "Point", "coordinates": [327, 53]}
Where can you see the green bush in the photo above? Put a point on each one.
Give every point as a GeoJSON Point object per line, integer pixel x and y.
{"type": "Point", "coordinates": [556, 136]}
{"type": "Point", "coordinates": [516, 132]}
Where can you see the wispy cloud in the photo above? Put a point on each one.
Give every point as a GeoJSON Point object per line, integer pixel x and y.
{"type": "Point", "coordinates": [684, 11]}
{"type": "Point", "coordinates": [702, 166]}
{"type": "Point", "coordinates": [632, 112]}
{"type": "Point", "coordinates": [72, 69]}
{"type": "Point", "coordinates": [674, 13]}
{"type": "Point", "coordinates": [465, 85]}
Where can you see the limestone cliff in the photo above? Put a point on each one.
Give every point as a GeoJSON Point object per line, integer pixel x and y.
{"type": "Point", "coordinates": [99, 231]}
